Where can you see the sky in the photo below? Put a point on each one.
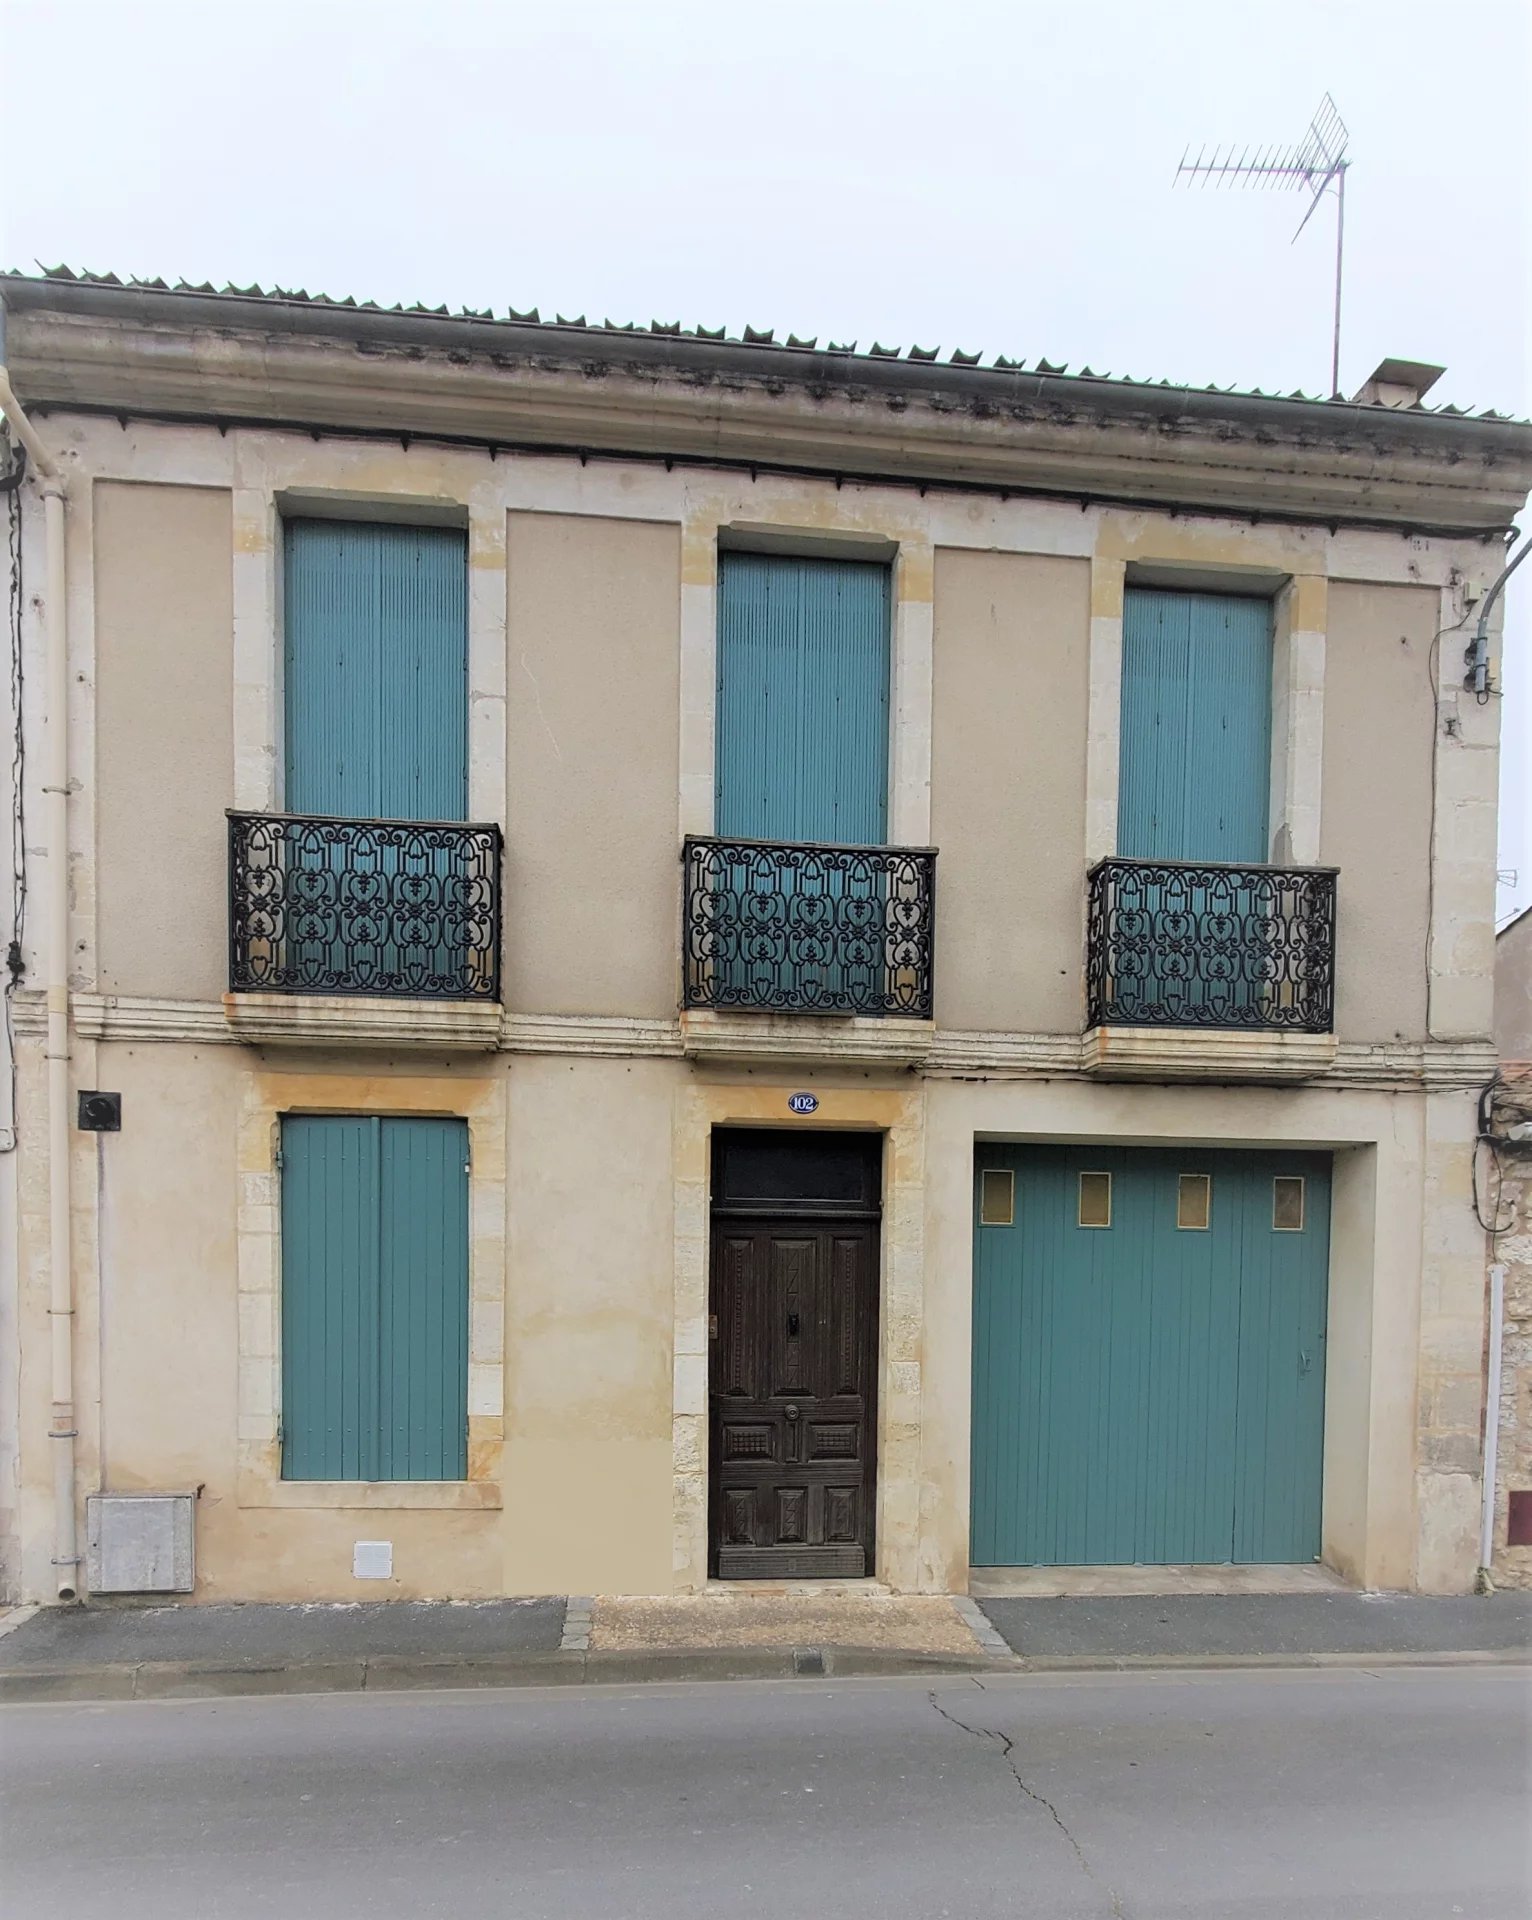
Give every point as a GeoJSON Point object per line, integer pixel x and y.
{"type": "Point", "coordinates": [946, 173]}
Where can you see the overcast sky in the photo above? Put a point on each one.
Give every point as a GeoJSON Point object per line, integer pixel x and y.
{"type": "Point", "coordinates": [939, 172]}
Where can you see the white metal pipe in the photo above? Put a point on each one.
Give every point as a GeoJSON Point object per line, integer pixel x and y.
{"type": "Point", "coordinates": [61, 1433]}
{"type": "Point", "coordinates": [44, 462]}
{"type": "Point", "coordinates": [1492, 1413]}
{"type": "Point", "coordinates": [61, 1428]}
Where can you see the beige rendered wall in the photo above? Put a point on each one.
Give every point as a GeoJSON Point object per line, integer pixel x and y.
{"type": "Point", "coordinates": [164, 743]}
{"type": "Point", "coordinates": [1010, 651]}
{"type": "Point", "coordinates": [592, 854]}
{"type": "Point", "coordinates": [590, 1289]}
{"type": "Point", "coordinates": [1375, 822]}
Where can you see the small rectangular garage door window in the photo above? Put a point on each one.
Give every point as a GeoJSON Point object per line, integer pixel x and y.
{"type": "Point", "coordinates": [1095, 1200]}
{"type": "Point", "coordinates": [1194, 1202]}
{"type": "Point", "coordinates": [997, 1197]}
{"type": "Point", "coordinates": [1287, 1204]}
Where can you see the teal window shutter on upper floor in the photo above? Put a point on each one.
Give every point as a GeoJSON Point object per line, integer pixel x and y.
{"type": "Point", "coordinates": [802, 700]}
{"type": "Point", "coordinates": [1194, 773]}
{"type": "Point", "coordinates": [375, 657]}
{"type": "Point", "coordinates": [374, 1297]}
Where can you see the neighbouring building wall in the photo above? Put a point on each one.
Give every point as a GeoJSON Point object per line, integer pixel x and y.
{"type": "Point", "coordinates": [1513, 989]}
{"type": "Point", "coordinates": [1010, 661]}
{"type": "Point", "coordinates": [1512, 1566]}
{"type": "Point", "coordinates": [164, 741]}
{"type": "Point", "coordinates": [1375, 820]}
{"type": "Point", "coordinates": [592, 868]}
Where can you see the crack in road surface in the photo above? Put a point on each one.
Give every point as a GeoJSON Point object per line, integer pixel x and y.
{"type": "Point", "coordinates": [1007, 1753]}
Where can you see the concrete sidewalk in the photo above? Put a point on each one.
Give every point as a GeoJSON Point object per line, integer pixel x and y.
{"type": "Point", "coordinates": [1289, 1629]}
{"type": "Point", "coordinates": [116, 1652]}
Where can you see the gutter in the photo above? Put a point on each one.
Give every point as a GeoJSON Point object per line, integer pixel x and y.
{"type": "Point", "coordinates": [62, 1432]}
{"type": "Point", "coordinates": [249, 359]}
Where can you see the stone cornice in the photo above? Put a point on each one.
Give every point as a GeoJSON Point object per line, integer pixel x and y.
{"type": "Point", "coordinates": [229, 359]}
{"type": "Point", "coordinates": [1433, 1065]}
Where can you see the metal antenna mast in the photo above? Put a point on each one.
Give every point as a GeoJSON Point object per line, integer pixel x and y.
{"type": "Point", "coordinates": [1316, 163]}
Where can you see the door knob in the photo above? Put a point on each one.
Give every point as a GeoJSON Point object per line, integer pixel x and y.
{"type": "Point", "coordinates": [791, 1411]}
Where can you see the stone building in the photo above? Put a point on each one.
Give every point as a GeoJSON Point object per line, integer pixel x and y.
{"type": "Point", "coordinates": [1507, 1175]}
{"type": "Point", "coordinates": [652, 958]}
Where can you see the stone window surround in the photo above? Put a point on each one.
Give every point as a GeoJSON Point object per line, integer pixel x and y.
{"type": "Point", "coordinates": [1299, 616]}
{"type": "Point", "coordinates": [258, 1238]}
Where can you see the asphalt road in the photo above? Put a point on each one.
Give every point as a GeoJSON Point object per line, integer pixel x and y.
{"type": "Point", "coordinates": [1394, 1793]}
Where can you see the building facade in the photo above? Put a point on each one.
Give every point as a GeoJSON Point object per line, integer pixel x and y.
{"type": "Point", "coordinates": [723, 959]}
{"type": "Point", "coordinates": [1506, 1180]}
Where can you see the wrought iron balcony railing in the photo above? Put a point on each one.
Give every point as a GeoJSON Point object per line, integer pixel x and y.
{"type": "Point", "coordinates": [409, 909]}
{"type": "Point", "coordinates": [808, 929]}
{"type": "Point", "coordinates": [1175, 943]}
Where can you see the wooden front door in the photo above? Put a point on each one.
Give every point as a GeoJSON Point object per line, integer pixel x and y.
{"type": "Point", "coordinates": [794, 1359]}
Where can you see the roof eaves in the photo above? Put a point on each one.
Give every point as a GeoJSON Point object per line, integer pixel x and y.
{"type": "Point", "coordinates": [751, 337]}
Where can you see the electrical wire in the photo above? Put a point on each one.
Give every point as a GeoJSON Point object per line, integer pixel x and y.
{"type": "Point", "coordinates": [1432, 654]}
{"type": "Point", "coordinates": [1484, 1138]}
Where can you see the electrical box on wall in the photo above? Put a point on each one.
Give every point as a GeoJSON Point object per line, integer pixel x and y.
{"type": "Point", "coordinates": [140, 1542]}
{"type": "Point", "coordinates": [100, 1112]}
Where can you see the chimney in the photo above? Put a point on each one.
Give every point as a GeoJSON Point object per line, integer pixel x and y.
{"type": "Point", "coordinates": [1398, 383]}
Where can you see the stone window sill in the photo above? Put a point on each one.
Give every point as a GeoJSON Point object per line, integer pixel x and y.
{"type": "Point", "coordinates": [371, 1496]}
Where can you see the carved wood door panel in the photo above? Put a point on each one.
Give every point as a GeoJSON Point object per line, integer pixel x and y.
{"type": "Point", "coordinates": [792, 1428]}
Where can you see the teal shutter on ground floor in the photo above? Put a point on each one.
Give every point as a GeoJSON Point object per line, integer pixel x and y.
{"type": "Point", "coordinates": [374, 1298]}
{"type": "Point", "coordinates": [1145, 1392]}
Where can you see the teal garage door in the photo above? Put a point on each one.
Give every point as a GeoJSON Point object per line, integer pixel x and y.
{"type": "Point", "coordinates": [1148, 1368]}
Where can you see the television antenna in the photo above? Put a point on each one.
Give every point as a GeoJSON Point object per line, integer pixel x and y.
{"type": "Point", "coordinates": [1315, 164]}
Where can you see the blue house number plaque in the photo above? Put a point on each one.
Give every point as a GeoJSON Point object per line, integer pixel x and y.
{"type": "Point", "coordinates": [803, 1102]}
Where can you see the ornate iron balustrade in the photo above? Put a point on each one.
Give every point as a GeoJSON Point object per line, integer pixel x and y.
{"type": "Point", "coordinates": [808, 929]}
{"type": "Point", "coordinates": [1174, 943]}
{"type": "Point", "coordinates": [403, 908]}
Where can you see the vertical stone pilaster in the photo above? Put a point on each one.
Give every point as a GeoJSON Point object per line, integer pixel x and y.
{"type": "Point", "coordinates": [1104, 724]}
{"type": "Point", "coordinates": [909, 769]}
{"type": "Point", "coordinates": [487, 614]}
{"type": "Point", "coordinates": [1297, 720]}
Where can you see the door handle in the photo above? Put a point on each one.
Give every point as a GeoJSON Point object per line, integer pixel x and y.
{"type": "Point", "coordinates": [791, 1411]}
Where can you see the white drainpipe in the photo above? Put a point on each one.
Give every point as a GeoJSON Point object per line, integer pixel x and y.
{"type": "Point", "coordinates": [61, 1435]}
{"type": "Point", "coordinates": [1492, 1414]}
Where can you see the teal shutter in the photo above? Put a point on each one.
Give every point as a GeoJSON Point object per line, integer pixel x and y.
{"type": "Point", "coordinates": [1143, 1393]}
{"type": "Point", "coordinates": [376, 670]}
{"type": "Point", "coordinates": [374, 1298]}
{"type": "Point", "coordinates": [423, 1300]}
{"type": "Point", "coordinates": [329, 1298]}
{"type": "Point", "coordinates": [1195, 765]}
{"type": "Point", "coordinates": [802, 700]}
{"type": "Point", "coordinates": [801, 723]}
